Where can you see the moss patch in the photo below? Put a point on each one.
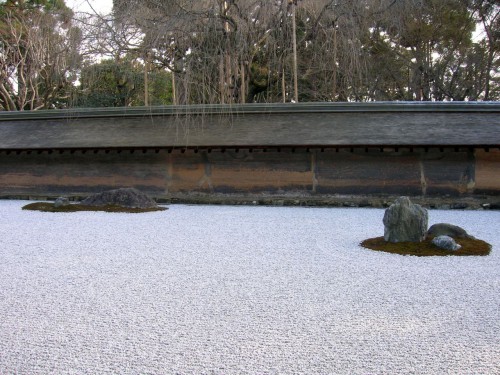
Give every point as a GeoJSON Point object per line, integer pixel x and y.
{"type": "Point", "coordinates": [470, 246]}
{"type": "Point", "coordinates": [49, 207]}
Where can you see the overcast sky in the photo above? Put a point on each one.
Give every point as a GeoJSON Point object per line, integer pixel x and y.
{"type": "Point", "coordinates": [101, 6]}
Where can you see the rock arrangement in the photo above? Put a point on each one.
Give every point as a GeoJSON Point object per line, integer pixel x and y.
{"type": "Point", "coordinates": [405, 222]}
{"type": "Point", "coordinates": [124, 197]}
{"type": "Point", "coordinates": [405, 233]}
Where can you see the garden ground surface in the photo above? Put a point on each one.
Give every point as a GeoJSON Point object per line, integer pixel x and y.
{"type": "Point", "coordinates": [240, 290]}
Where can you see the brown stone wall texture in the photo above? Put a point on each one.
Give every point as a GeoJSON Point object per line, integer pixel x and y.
{"type": "Point", "coordinates": [164, 174]}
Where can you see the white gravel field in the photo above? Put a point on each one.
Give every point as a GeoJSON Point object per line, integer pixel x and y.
{"type": "Point", "coordinates": [240, 290]}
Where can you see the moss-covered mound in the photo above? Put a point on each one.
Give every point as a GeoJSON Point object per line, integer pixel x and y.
{"type": "Point", "coordinates": [49, 207]}
{"type": "Point", "coordinates": [470, 246]}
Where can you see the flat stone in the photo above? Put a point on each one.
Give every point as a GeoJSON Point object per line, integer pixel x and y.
{"type": "Point", "coordinates": [446, 243]}
{"type": "Point", "coordinates": [445, 229]}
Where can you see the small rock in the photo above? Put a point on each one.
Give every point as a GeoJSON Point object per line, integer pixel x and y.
{"type": "Point", "coordinates": [405, 221]}
{"type": "Point", "coordinates": [446, 243]}
{"type": "Point", "coordinates": [445, 229]}
{"type": "Point", "coordinates": [364, 203]}
{"type": "Point", "coordinates": [61, 201]}
{"type": "Point", "coordinates": [349, 204]}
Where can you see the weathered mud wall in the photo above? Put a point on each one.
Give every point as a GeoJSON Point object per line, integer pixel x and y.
{"type": "Point", "coordinates": [293, 172]}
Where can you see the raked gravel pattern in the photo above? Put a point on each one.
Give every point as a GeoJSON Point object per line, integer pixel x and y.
{"type": "Point", "coordinates": [240, 290]}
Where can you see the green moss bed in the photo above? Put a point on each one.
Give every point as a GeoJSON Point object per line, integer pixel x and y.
{"type": "Point", "coordinates": [470, 246]}
{"type": "Point", "coordinates": [49, 207]}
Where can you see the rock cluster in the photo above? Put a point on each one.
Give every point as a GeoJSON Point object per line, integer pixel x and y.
{"type": "Point", "coordinates": [405, 222]}
{"type": "Point", "coordinates": [124, 197]}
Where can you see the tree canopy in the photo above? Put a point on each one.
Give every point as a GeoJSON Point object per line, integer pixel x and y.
{"type": "Point", "coordinates": [39, 54]}
{"type": "Point", "coordinates": [239, 51]}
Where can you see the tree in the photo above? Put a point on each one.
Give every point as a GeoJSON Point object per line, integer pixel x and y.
{"type": "Point", "coordinates": [208, 45]}
{"type": "Point", "coordinates": [238, 51]}
{"type": "Point", "coordinates": [38, 54]}
{"type": "Point", "coordinates": [112, 83]}
{"type": "Point", "coordinates": [229, 51]}
{"type": "Point", "coordinates": [487, 14]}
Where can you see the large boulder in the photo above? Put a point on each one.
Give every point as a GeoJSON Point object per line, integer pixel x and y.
{"type": "Point", "coordinates": [405, 221]}
{"type": "Point", "coordinates": [445, 229]}
{"type": "Point", "coordinates": [124, 197]}
{"type": "Point", "coordinates": [446, 243]}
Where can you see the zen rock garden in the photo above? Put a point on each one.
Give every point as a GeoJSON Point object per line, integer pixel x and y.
{"type": "Point", "coordinates": [406, 229]}
{"type": "Point", "coordinates": [118, 200]}
{"type": "Point", "coordinates": [406, 232]}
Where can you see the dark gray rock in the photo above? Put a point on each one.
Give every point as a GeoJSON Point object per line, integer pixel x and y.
{"type": "Point", "coordinates": [445, 229]}
{"type": "Point", "coordinates": [61, 201]}
{"type": "Point", "coordinates": [443, 206]}
{"type": "Point", "coordinates": [495, 206]}
{"type": "Point", "coordinates": [405, 221]}
{"type": "Point", "coordinates": [446, 243]}
{"type": "Point", "coordinates": [365, 203]}
{"type": "Point", "coordinates": [459, 206]}
{"type": "Point", "coordinates": [124, 197]}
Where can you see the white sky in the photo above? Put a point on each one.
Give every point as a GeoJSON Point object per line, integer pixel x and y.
{"type": "Point", "coordinates": [100, 6]}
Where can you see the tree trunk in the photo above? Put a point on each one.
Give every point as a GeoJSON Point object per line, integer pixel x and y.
{"type": "Point", "coordinates": [221, 80]}
{"type": "Point", "coordinates": [146, 85]}
{"type": "Point", "coordinates": [243, 91]}
{"type": "Point", "coordinates": [228, 79]}
{"type": "Point", "coordinates": [334, 96]}
{"type": "Point", "coordinates": [295, 69]}
{"type": "Point", "coordinates": [491, 55]}
{"type": "Point", "coordinates": [283, 85]}
{"type": "Point", "coordinates": [174, 85]}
